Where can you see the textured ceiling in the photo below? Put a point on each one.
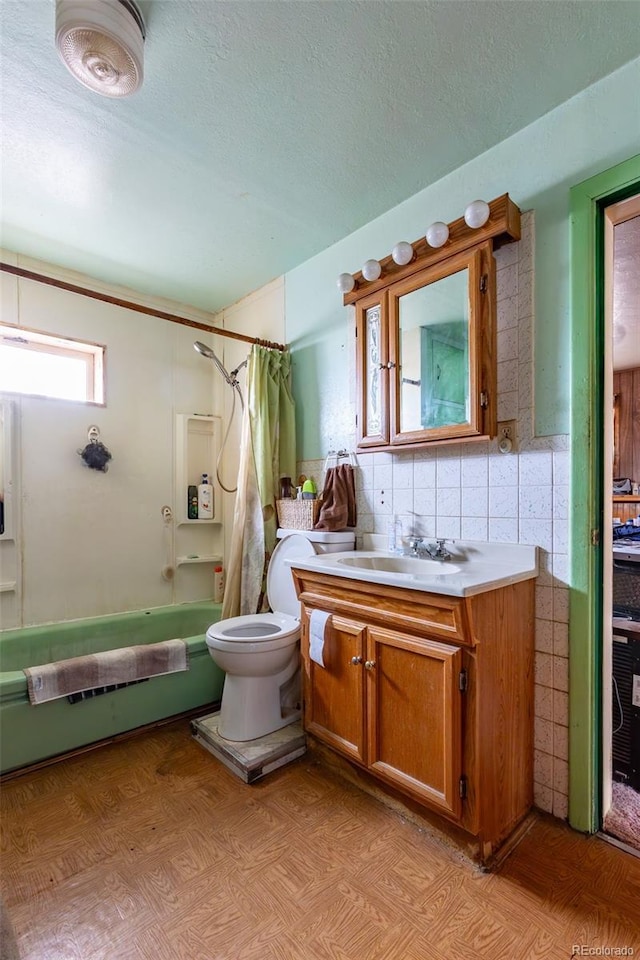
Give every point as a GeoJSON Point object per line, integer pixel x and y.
{"type": "Point", "coordinates": [266, 131]}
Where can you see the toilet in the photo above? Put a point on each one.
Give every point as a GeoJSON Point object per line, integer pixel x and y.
{"type": "Point", "coordinates": [260, 652]}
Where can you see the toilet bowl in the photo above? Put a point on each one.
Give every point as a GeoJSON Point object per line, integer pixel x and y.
{"type": "Point", "coordinates": [260, 652]}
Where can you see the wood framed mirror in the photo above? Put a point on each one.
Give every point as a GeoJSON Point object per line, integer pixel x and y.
{"type": "Point", "coordinates": [426, 339]}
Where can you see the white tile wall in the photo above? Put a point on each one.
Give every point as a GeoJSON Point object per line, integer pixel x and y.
{"type": "Point", "coordinates": [475, 492]}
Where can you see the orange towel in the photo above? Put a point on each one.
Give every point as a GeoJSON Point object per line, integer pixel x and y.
{"type": "Point", "coordinates": [338, 508]}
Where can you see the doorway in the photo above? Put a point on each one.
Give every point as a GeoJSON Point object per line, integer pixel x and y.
{"type": "Point", "coordinates": [588, 532]}
{"type": "Point", "coordinates": [621, 516]}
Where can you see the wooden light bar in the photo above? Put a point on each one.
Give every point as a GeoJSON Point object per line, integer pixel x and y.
{"type": "Point", "coordinates": [503, 226]}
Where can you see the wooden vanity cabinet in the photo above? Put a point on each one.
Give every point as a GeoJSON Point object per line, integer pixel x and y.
{"type": "Point", "coordinates": [432, 695]}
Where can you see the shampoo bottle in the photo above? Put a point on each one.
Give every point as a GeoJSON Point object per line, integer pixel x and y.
{"type": "Point", "coordinates": [218, 583]}
{"type": "Point", "coordinates": [205, 499]}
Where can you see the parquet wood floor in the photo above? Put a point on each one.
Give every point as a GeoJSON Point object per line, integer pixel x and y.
{"type": "Point", "coordinates": [150, 849]}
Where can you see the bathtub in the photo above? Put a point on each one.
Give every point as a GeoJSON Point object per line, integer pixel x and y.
{"type": "Point", "coordinates": [32, 733]}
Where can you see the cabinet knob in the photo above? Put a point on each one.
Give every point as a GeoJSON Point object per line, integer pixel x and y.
{"type": "Point", "coordinates": [356, 660]}
{"type": "Point", "coordinates": [369, 664]}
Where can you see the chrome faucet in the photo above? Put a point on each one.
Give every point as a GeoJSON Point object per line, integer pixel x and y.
{"type": "Point", "coordinates": [437, 550]}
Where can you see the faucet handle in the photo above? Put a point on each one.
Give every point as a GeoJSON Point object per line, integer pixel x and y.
{"type": "Point", "coordinates": [441, 551]}
{"type": "Point", "coordinates": [415, 543]}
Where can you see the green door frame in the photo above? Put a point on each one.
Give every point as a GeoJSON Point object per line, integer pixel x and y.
{"type": "Point", "coordinates": [588, 200]}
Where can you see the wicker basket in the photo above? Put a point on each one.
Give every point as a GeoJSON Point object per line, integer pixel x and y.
{"type": "Point", "coordinates": [297, 514]}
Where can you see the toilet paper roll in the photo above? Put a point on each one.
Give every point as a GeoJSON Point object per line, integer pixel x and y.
{"type": "Point", "coordinates": [318, 626]}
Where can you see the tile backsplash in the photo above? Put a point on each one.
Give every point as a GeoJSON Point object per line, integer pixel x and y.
{"type": "Point", "coordinates": [472, 491]}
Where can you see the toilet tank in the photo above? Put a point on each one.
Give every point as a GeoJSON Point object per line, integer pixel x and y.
{"type": "Point", "coordinates": [324, 541]}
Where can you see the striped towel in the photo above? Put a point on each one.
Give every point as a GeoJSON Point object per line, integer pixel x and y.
{"type": "Point", "coordinates": [107, 668]}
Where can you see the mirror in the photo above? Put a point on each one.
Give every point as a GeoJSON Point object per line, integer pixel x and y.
{"type": "Point", "coordinates": [425, 329]}
{"type": "Point", "coordinates": [434, 354]}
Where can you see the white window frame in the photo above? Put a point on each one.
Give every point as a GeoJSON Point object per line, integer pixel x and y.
{"type": "Point", "coordinates": [92, 355]}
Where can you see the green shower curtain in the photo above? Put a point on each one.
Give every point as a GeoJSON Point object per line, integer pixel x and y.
{"type": "Point", "coordinates": [267, 451]}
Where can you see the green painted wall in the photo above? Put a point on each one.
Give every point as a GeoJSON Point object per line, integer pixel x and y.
{"type": "Point", "coordinates": [536, 166]}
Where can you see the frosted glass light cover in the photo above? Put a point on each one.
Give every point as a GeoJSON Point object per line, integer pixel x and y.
{"type": "Point", "coordinates": [371, 270]}
{"type": "Point", "coordinates": [101, 42]}
{"type": "Point", "coordinates": [402, 253]}
{"type": "Point", "coordinates": [346, 283]}
{"type": "Point", "coordinates": [476, 214]}
{"type": "Point", "coordinates": [437, 234]}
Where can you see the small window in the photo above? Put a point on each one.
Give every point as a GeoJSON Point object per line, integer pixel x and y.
{"type": "Point", "coordinates": [42, 365]}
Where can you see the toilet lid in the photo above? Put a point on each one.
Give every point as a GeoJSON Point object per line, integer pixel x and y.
{"type": "Point", "coordinates": [281, 592]}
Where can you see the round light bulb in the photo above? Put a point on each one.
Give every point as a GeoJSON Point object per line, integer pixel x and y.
{"type": "Point", "coordinates": [371, 270]}
{"type": "Point", "coordinates": [476, 214]}
{"type": "Point", "coordinates": [346, 283]}
{"type": "Point", "coordinates": [402, 253]}
{"type": "Point", "coordinates": [437, 234]}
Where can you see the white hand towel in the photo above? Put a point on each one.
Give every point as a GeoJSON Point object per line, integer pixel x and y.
{"type": "Point", "coordinates": [318, 625]}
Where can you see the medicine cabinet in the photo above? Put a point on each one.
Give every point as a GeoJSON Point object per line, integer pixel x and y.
{"type": "Point", "coordinates": [426, 339]}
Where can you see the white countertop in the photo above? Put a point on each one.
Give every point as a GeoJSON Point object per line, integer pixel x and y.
{"type": "Point", "coordinates": [475, 566]}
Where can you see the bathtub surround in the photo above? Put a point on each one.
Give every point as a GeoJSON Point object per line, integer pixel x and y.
{"type": "Point", "coordinates": [29, 733]}
{"type": "Point", "coordinates": [90, 543]}
{"type": "Point", "coordinates": [472, 491]}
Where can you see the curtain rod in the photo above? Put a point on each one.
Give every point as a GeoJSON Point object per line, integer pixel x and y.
{"type": "Point", "coordinates": [137, 307]}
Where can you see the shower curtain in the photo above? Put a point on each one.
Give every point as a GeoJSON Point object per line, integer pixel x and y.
{"type": "Point", "coordinates": [267, 452]}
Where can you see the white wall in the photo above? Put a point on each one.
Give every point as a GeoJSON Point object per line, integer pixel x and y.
{"type": "Point", "coordinates": [93, 543]}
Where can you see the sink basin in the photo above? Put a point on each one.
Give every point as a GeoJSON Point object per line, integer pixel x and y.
{"type": "Point", "coordinates": [475, 566]}
{"type": "Point", "coordinates": [414, 566]}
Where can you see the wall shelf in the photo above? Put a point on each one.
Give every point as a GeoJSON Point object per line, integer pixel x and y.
{"type": "Point", "coordinates": [206, 559]}
{"type": "Point", "coordinates": [197, 445]}
{"type": "Point", "coordinates": [196, 523]}
{"type": "Point", "coordinates": [197, 442]}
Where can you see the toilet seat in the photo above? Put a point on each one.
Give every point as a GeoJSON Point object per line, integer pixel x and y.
{"type": "Point", "coordinates": [247, 632]}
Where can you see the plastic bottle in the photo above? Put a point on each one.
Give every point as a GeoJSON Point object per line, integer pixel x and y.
{"type": "Point", "coordinates": [192, 502]}
{"type": "Point", "coordinates": [394, 531]}
{"type": "Point", "coordinates": [218, 583]}
{"type": "Point", "coordinates": [205, 499]}
{"type": "Point", "coordinates": [285, 488]}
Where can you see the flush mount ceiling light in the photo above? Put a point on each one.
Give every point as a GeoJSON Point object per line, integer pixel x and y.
{"type": "Point", "coordinates": [101, 42]}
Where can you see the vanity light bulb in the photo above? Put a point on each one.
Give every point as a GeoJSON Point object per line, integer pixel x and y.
{"type": "Point", "coordinates": [437, 234]}
{"type": "Point", "coordinates": [476, 214]}
{"type": "Point", "coordinates": [346, 283]}
{"type": "Point", "coordinates": [371, 270]}
{"type": "Point", "coordinates": [402, 253]}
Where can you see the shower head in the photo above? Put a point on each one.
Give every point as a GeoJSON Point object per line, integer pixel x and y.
{"type": "Point", "coordinates": [231, 378]}
{"type": "Point", "coordinates": [204, 350]}
{"type": "Point", "coordinates": [210, 355]}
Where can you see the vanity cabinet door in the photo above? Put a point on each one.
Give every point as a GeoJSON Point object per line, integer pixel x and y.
{"type": "Point", "coordinates": [334, 693]}
{"type": "Point", "coordinates": [414, 738]}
